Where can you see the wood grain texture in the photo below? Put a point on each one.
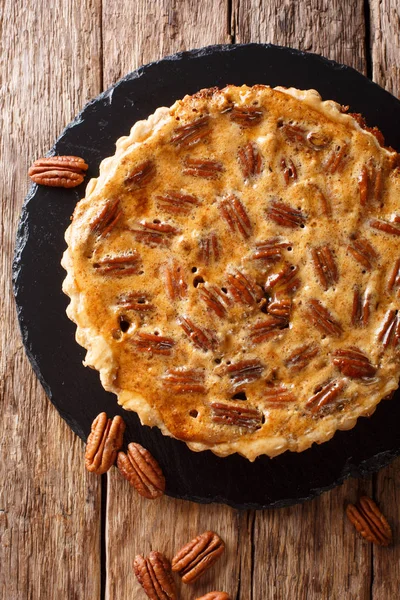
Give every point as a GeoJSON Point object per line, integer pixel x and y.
{"type": "Point", "coordinates": [136, 33]}
{"type": "Point", "coordinates": [334, 28]}
{"type": "Point", "coordinates": [137, 526]}
{"type": "Point", "coordinates": [385, 44]}
{"type": "Point", "coordinates": [49, 507]}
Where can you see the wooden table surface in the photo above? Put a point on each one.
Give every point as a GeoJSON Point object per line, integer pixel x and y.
{"type": "Point", "coordinates": [66, 534]}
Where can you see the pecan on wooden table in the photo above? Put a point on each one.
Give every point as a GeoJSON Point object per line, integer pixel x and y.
{"type": "Point", "coordinates": [58, 171]}
{"type": "Point", "coordinates": [154, 575]}
{"type": "Point", "coordinates": [103, 443]}
{"type": "Point", "coordinates": [142, 471]}
{"type": "Point", "coordinates": [369, 521]}
{"type": "Point", "coordinates": [215, 596]}
{"type": "Point", "coordinates": [197, 556]}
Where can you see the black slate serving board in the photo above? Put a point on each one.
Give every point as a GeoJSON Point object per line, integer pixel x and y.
{"type": "Point", "coordinates": [48, 335]}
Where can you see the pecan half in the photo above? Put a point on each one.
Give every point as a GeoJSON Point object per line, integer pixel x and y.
{"type": "Point", "coordinates": [244, 371]}
{"type": "Point", "coordinates": [142, 471]}
{"type": "Point", "coordinates": [361, 308]}
{"type": "Point", "coordinates": [323, 201]}
{"type": "Point", "coordinates": [235, 214]}
{"type": "Point", "coordinates": [215, 299]}
{"type": "Point", "coordinates": [138, 301]}
{"type": "Point", "coordinates": [58, 171]}
{"type": "Point", "coordinates": [389, 335]}
{"type": "Point", "coordinates": [322, 319]}
{"type": "Point", "coordinates": [267, 329]}
{"type": "Point", "coordinates": [394, 279]}
{"type": "Point", "coordinates": [154, 575]}
{"type": "Point", "coordinates": [301, 357]}
{"type": "Point", "coordinates": [278, 395]}
{"type": "Point", "coordinates": [286, 216]}
{"type": "Point", "coordinates": [141, 175]}
{"type": "Point", "coordinates": [153, 344]}
{"type": "Point", "coordinates": [370, 183]}
{"type": "Point", "coordinates": [209, 249]}
{"type": "Point", "coordinates": [289, 170]}
{"type": "Point", "coordinates": [197, 556]}
{"type": "Point", "coordinates": [103, 443]}
{"type": "Point", "coordinates": [369, 521]}
{"type": "Point", "coordinates": [215, 596]}
{"type": "Point", "coordinates": [199, 167]}
{"type": "Point", "coordinates": [240, 416]}
{"type": "Point", "coordinates": [286, 280]}
{"type": "Point", "coordinates": [363, 252]}
{"type": "Point", "coordinates": [191, 133]}
{"type": "Point", "coordinates": [270, 250]}
{"type": "Point", "coordinates": [124, 264]}
{"type": "Point", "coordinates": [280, 306]}
{"type": "Point", "coordinates": [246, 115]}
{"type": "Point", "coordinates": [154, 233]}
{"type": "Point", "coordinates": [385, 226]}
{"type": "Point", "coordinates": [326, 393]}
{"type": "Point", "coordinates": [177, 203]}
{"type": "Point", "coordinates": [337, 159]}
{"type": "Point", "coordinates": [243, 289]}
{"type": "Point", "coordinates": [176, 287]}
{"type": "Point", "coordinates": [293, 134]}
{"type": "Point", "coordinates": [353, 363]}
{"type": "Point", "coordinates": [106, 219]}
{"type": "Point", "coordinates": [184, 381]}
{"type": "Point", "coordinates": [250, 160]}
{"type": "Point", "coordinates": [202, 338]}
{"type": "Point", "coordinates": [317, 140]}
{"type": "Point", "coordinates": [325, 266]}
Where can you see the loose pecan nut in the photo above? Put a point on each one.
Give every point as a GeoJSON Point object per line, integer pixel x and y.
{"type": "Point", "coordinates": [197, 556]}
{"type": "Point", "coordinates": [154, 575]}
{"type": "Point", "coordinates": [142, 471]}
{"type": "Point", "coordinates": [58, 171]}
{"type": "Point", "coordinates": [215, 596]}
{"type": "Point", "coordinates": [103, 443]}
{"type": "Point", "coordinates": [369, 521]}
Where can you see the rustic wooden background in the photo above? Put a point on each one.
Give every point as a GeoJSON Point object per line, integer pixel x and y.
{"type": "Point", "coordinates": [65, 533]}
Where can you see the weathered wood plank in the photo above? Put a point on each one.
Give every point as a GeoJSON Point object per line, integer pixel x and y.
{"type": "Point", "coordinates": [137, 526]}
{"type": "Point", "coordinates": [49, 506]}
{"type": "Point", "coordinates": [385, 44]}
{"type": "Point", "coordinates": [334, 28]}
{"type": "Point", "coordinates": [385, 57]}
{"type": "Point", "coordinates": [386, 571]}
{"type": "Point", "coordinates": [136, 33]}
{"type": "Point", "coordinates": [310, 551]}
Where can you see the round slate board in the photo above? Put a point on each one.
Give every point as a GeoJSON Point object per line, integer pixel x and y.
{"type": "Point", "coordinates": [49, 337]}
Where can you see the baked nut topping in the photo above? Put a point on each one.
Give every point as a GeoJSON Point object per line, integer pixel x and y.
{"type": "Point", "coordinates": [234, 271]}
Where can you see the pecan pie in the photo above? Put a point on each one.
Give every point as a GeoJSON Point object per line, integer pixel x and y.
{"type": "Point", "coordinates": [234, 271]}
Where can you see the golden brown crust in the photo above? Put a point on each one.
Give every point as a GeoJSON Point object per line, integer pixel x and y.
{"type": "Point", "coordinates": [229, 270]}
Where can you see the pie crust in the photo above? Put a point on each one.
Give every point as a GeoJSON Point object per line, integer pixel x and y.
{"type": "Point", "coordinates": [234, 271]}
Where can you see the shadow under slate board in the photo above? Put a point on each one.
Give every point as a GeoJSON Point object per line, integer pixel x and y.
{"type": "Point", "coordinates": [49, 336]}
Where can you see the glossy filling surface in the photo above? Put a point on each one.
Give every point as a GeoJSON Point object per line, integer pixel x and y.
{"type": "Point", "coordinates": [234, 272]}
